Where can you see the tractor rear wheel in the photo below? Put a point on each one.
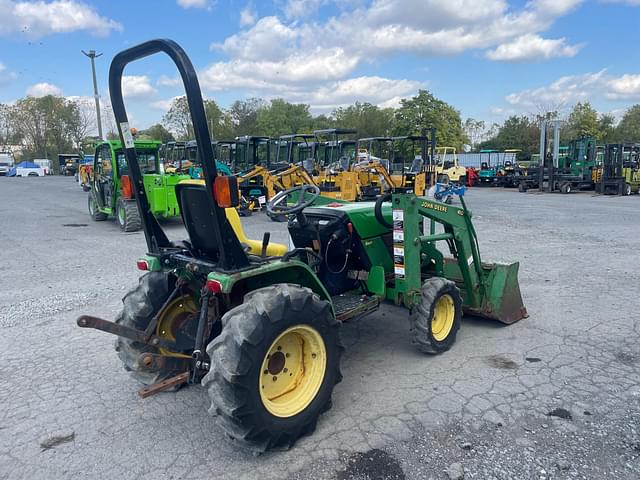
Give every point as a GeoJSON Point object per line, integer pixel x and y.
{"type": "Point", "coordinates": [128, 215]}
{"type": "Point", "coordinates": [274, 366]}
{"type": "Point", "coordinates": [435, 321]}
{"type": "Point", "coordinates": [96, 215]}
{"type": "Point", "coordinates": [140, 305]}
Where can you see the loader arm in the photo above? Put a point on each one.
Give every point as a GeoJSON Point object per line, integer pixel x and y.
{"type": "Point", "coordinates": [488, 289]}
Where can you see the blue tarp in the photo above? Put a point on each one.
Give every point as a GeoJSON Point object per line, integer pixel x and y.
{"type": "Point", "coordinates": [14, 170]}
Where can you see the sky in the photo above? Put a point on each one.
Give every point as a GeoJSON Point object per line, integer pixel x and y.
{"type": "Point", "coordinates": [487, 58]}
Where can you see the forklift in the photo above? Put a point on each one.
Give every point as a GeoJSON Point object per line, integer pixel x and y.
{"type": "Point", "coordinates": [336, 153]}
{"type": "Point", "coordinates": [259, 329]}
{"type": "Point", "coordinates": [619, 173]}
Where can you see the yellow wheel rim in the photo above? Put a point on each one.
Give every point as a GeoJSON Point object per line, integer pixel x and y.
{"type": "Point", "coordinates": [173, 317]}
{"type": "Point", "coordinates": [292, 371]}
{"type": "Point", "coordinates": [443, 317]}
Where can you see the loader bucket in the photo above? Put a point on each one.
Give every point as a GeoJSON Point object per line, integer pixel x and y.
{"type": "Point", "coordinates": [503, 301]}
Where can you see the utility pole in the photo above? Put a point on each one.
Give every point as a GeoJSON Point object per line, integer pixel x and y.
{"type": "Point", "coordinates": [93, 55]}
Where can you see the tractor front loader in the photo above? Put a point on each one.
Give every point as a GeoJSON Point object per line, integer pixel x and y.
{"type": "Point", "coordinates": [258, 325]}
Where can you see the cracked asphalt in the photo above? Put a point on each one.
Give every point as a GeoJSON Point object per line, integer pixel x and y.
{"type": "Point", "coordinates": [554, 396]}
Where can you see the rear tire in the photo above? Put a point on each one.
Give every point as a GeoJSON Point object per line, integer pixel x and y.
{"type": "Point", "coordinates": [435, 321]}
{"type": "Point", "coordinates": [253, 334]}
{"type": "Point", "coordinates": [139, 307]}
{"type": "Point", "coordinates": [96, 215]}
{"type": "Point", "coordinates": [128, 215]}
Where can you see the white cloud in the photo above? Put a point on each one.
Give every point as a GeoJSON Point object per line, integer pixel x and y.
{"type": "Point", "coordinates": [313, 67]}
{"type": "Point", "coordinates": [625, 87]}
{"type": "Point", "coordinates": [568, 90]}
{"type": "Point", "coordinates": [302, 8]}
{"type": "Point", "coordinates": [137, 86]}
{"type": "Point", "coordinates": [248, 15]}
{"type": "Point", "coordinates": [43, 89]}
{"type": "Point", "coordinates": [163, 105]}
{"type": "Point", "coordinates": [532, 47]}
{"type": "Point", "coordinates": [40, 18]}
{"type": "Point", "coordinates": [372, 89]}
{"type": "Point", "coordinates": [268, 39]}
{"type": "Point", "coordinates": [193, 3]}
{"type": "Point", "coordinates": [166, 81]}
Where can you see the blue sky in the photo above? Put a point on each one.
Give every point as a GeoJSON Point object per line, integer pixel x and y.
{"type": "Point", "coordinates": [488, 58]}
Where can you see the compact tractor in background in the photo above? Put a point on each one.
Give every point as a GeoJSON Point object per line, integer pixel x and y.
{"type": "Point", "coordinates": [259, 328]}
{"type": "Point", "coordinates": [112, 191]}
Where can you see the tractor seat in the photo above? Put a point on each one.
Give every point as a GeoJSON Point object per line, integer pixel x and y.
{"type": "Point", "coordinates": [254, 246]}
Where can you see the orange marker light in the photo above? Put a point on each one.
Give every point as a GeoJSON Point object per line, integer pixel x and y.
{"type": "Point", "coordinates": [126, 187]}
{"type": "Point", "coordinates": [225, 191]}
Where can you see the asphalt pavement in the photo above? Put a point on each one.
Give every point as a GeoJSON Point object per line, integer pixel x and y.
{"type": "Point", "coordinates": [556, 395]}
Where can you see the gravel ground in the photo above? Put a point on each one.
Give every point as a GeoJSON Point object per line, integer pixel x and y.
{"type": "Point", "coordinates": [554, 396]}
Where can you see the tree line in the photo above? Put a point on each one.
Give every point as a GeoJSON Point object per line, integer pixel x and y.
{"type": "Point", "coordinates": [46, 126]}
{"type": "Point", "coordinates": [276, 117]}
{"type": "Point", "coordinates": [523, 132]}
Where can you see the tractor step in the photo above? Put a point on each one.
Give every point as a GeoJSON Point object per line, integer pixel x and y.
{"type": "Point", "coordinates": [349, 305]}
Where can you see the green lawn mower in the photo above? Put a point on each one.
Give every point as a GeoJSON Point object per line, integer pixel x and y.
{"type": "Point", "coordinates": [112, 190]}
{"type": "Point", "coordinates": [261, 332]}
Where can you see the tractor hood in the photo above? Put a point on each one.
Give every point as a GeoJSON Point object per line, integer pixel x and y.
{"type": "Point", "coordinates": [360, 215]}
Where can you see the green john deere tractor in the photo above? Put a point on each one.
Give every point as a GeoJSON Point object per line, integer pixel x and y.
{"type": "Point", "coordinates": [112, 191]}
{"type": "Point", "coordinates": [259, 328]}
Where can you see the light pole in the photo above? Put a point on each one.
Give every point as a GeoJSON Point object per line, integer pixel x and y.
{"type": "Point", "coordinates": [92, 55]}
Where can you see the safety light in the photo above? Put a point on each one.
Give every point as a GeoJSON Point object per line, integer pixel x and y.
{"type": "Point", "coordinates": [214, 286]}
{"type": "Point", "coordinates": [142, 265]}
{"type": "Point", "coordinates": [225, 191]}
{"type": "Point", "coordinates": [126, 187]}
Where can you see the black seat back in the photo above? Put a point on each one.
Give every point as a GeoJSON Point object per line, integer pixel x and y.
{"type": "Point", "coordinates": [199, 220]}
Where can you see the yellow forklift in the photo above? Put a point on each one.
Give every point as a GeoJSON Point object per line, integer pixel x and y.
{"type": "Point", "coordinates": [447, 167]}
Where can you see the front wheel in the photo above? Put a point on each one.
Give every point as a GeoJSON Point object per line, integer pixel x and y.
{"type": "Point", "coordinates": [627, 190]}
{"type": "Point", "coordinates": [128, 215]}
{"type": "Point", "coordinates": [94, 212]}
{"type": "Point", "coordinates": [435, 321]}
{"type": "Point", "coordinates": [274, 366]}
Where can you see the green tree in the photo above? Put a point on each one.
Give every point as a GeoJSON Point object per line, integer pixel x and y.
{"type": "Point", "coordinates": [516, 132]}
{"type": "Point", "coordinates": [369, 120]}
{"type": "Point", "coordinates": [425, 111]}
{"type": "Point", "coordinates": [474, 130]}
{"type": "Point", "coordinates": [582, 122]}
{"type": "Point", "coordinates": [628, 129]}
{"type": "Point", "coordinates": [156, 132]}
{"type": "Point", "coordinates": [607, 128]}
{"type": "Point", "coordinates": [48, 126]}
{"type": "Point", "coordinates": [281, 117]}
{"type": "Point", "coordinates": [178, 118]}
{"type": "Point", "coordinates": [243, 115]}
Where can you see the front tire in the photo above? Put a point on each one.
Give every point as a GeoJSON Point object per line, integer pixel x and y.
{"type": "Point", "coordinates": [274, 366]}
{"type": "Point", "coordinates": [435, 321]}
{"type": "Point", "coordinates": [128, 215]}
{"type": "Point", "coordinates": [627, 190]}
{"type": "Point", "coordinates": [95, 214]}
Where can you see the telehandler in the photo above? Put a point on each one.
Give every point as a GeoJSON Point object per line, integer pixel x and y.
{"type": "Point", "coordinates": [260, 330]}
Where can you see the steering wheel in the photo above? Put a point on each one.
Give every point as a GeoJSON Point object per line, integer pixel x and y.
{"type": "Point", "coordinates": [377, 210]}
{"type": "Point", "coordinates": [277, 204]}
